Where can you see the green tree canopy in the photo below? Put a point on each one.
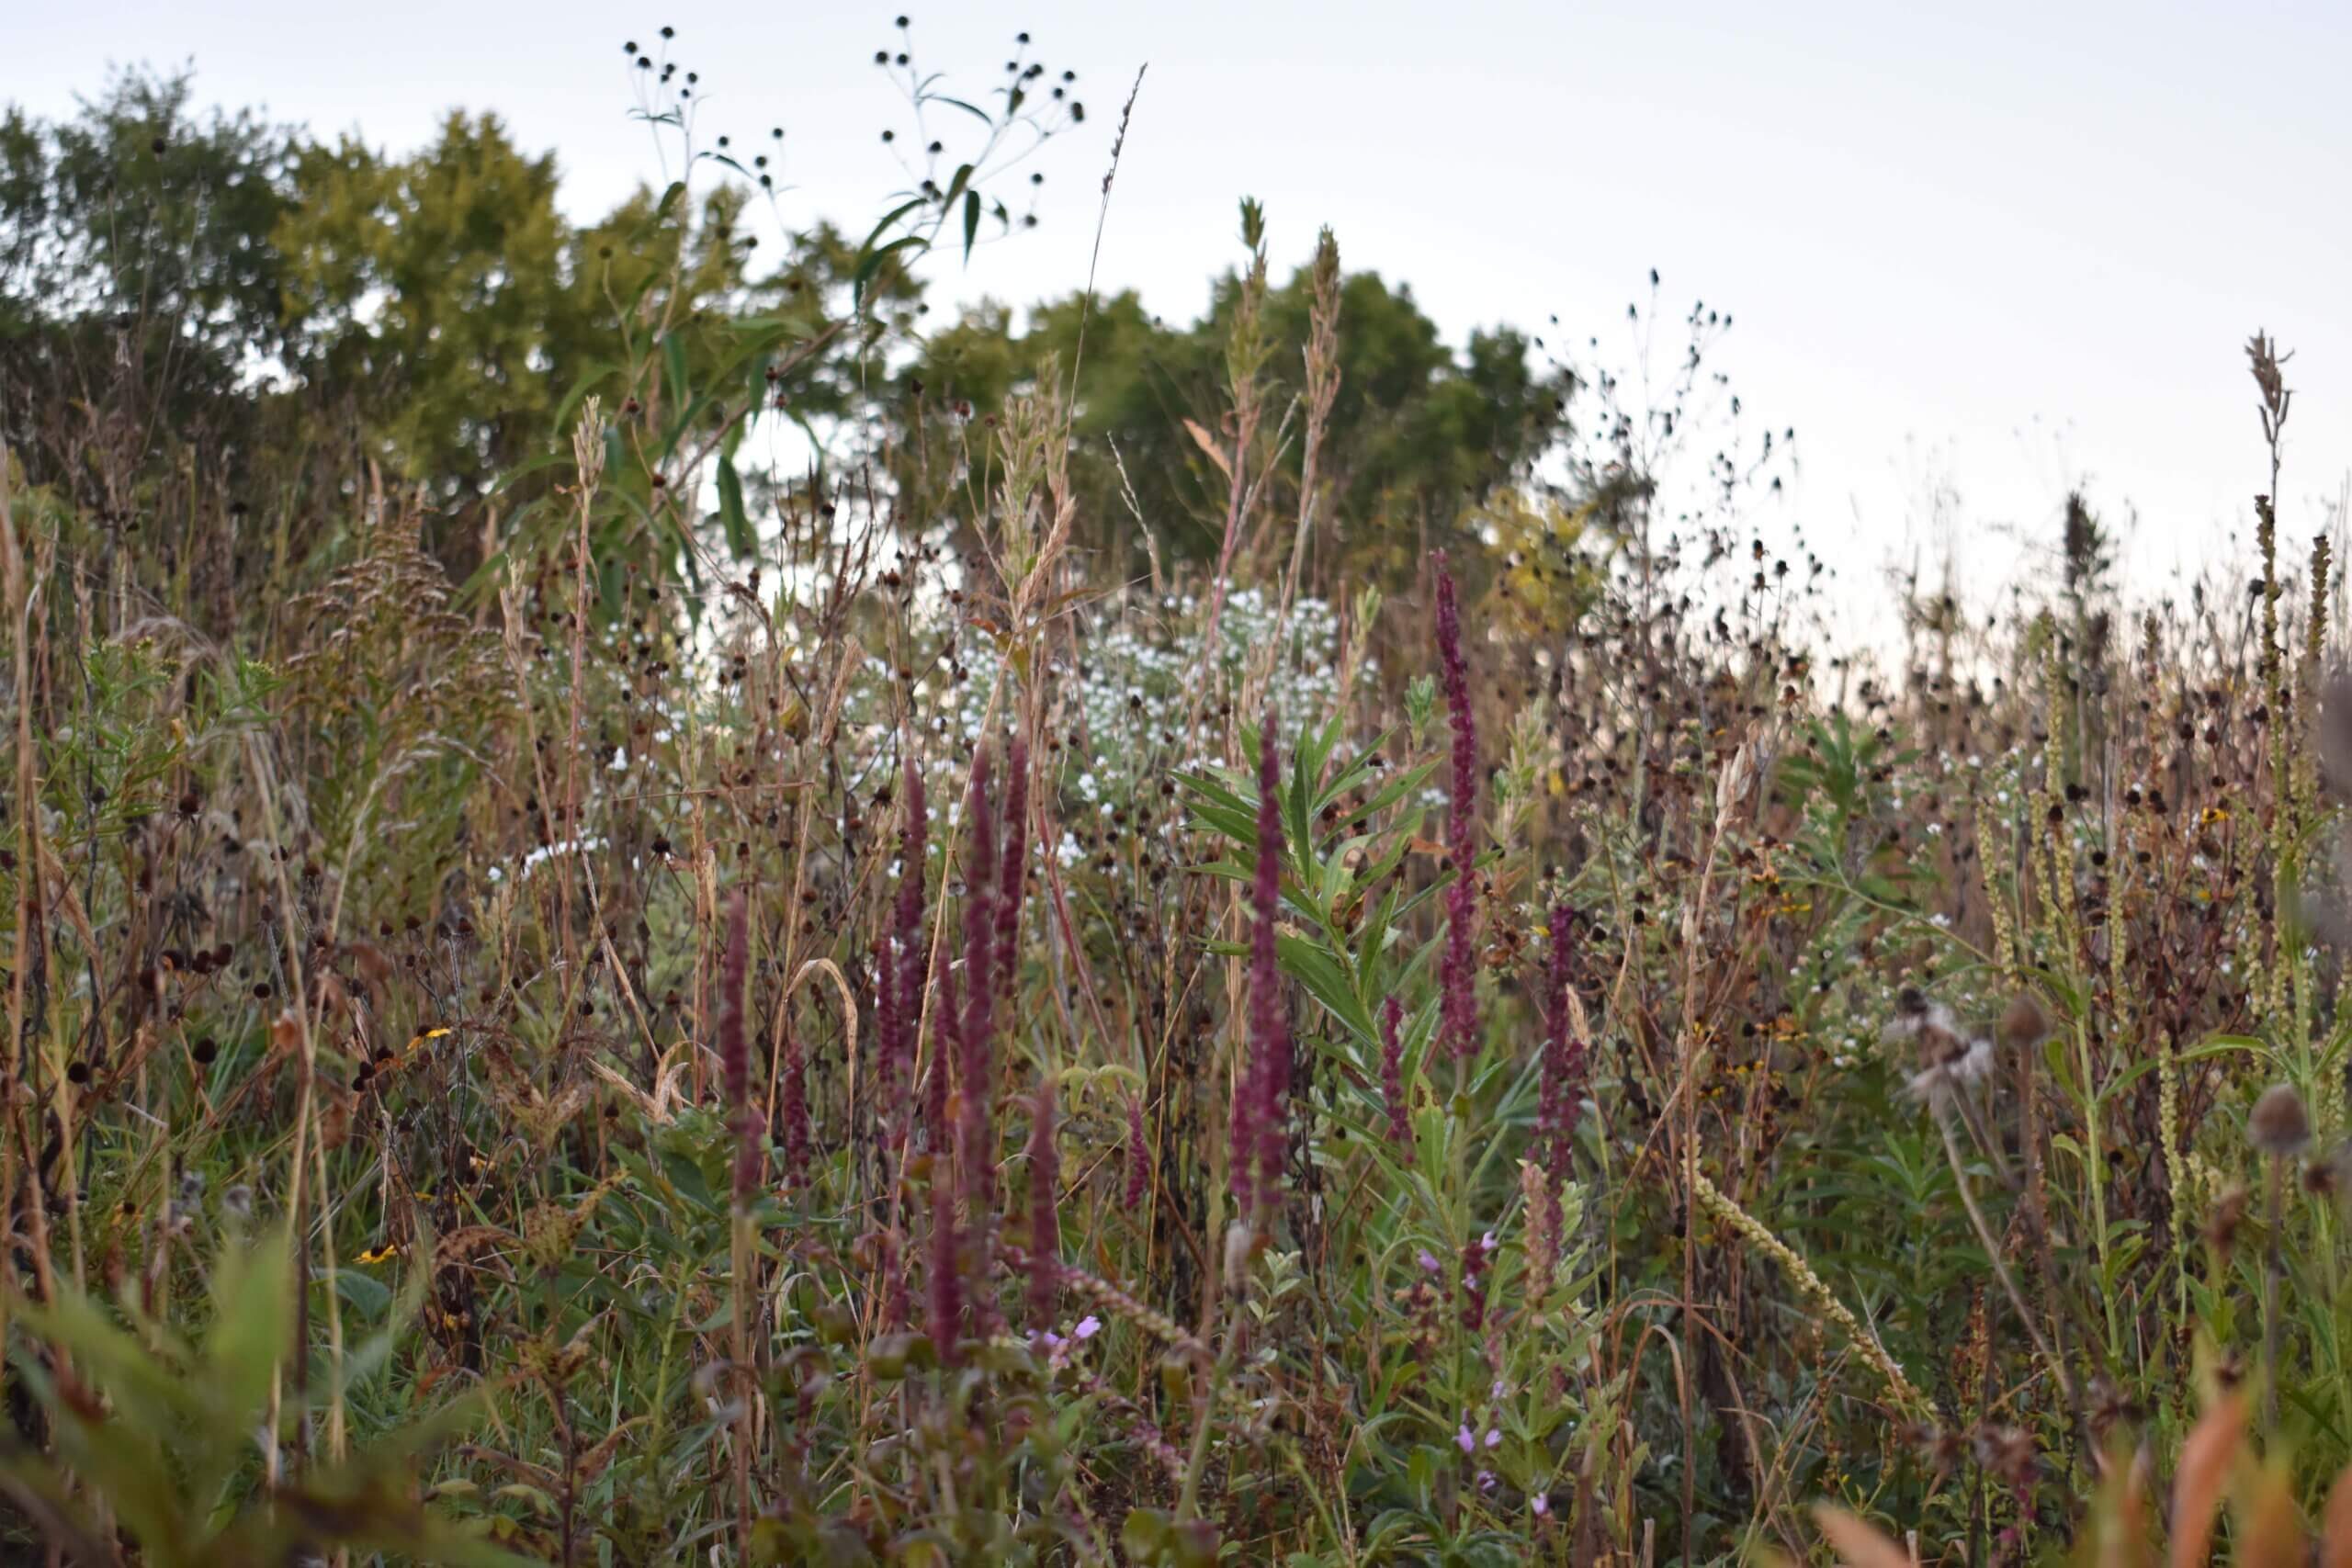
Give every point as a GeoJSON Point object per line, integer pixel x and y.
{"type": "Point", "coordinates": [329, 311]}
{"type": "Point", "coordinates": [1417, 433]}
{"type": "Point", "coordinates": [137, 273]}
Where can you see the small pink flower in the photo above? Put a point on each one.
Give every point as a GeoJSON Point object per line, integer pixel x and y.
{"type": "Point", "coordinates": [1539, 1503]}
{"type": "Point", "coordinates": [1493, 1438]}
{"type": "Point", "coordinates": [1088, 1327]}
{"type": "Point", "coordinates": [1061, 1349]}
{"type": "Point", "coordinates": [1429, 1261]}
{"type": "Point", "coordinates": [1462, 1438]}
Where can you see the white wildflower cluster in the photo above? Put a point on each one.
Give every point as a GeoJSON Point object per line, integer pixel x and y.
{"type": "Point", "coordinates": [1140, 671]}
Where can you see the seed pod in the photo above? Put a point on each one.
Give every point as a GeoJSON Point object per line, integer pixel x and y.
{"type": "Point", "coordinates": [2278, 1123]}
{"type": "Point", "coordinates": [2023, 1023]}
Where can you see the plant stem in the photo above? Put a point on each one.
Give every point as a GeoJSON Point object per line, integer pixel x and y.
{"type": "Point", "coordinates": [2001, 1268]}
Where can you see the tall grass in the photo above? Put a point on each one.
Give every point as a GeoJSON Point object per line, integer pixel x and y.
{"type": "Point", "coordinates": [890, 1048]}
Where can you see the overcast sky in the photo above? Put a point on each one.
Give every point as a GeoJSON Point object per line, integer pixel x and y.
{"type": "Point", "coordinates": [1984, 254]}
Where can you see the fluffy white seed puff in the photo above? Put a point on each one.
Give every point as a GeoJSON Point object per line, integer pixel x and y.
{"type": "Point", "coordinates": [1948, 1060]}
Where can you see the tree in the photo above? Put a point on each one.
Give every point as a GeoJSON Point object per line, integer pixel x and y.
{"type": "Point", "coordinates": [136, 278]}
{"type": "Point", "coordinates": [1418, 434]}
{"type": "Point", "coordinates": [432, 292]}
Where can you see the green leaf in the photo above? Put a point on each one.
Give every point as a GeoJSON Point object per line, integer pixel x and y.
{"type": "Point", "coordinates": [740, 540]}
{"type": "Point", "coordinates": [673, 362]}
{"type": "Point", "coordinates": [873, 262]}
{"type": "Point", "coordinates": [971, 222]}
{"type": "Point", "coordinates": [585, 382]}
{"type": "Point", "coordinates": [368, 1296]}
{"type": "Point", "coordinates": [1325, 979]}
{"type": "Point", "coordinates": [484, 578]}
{"type": "Point", "coordinates": [866, 246]}
{"type": "Point", "coordinates": [521, 471]}
{"type": "Point", "coordinates": [980, 115]}
{"type": "Point", "coordinates": [250, 1335]}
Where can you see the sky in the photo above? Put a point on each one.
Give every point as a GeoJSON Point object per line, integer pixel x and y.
{"type": "Point", "coordinates": [1976, 254]}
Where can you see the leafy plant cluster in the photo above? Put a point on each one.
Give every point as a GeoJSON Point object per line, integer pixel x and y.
{"type": "Point", "coordinates": [573, 998]}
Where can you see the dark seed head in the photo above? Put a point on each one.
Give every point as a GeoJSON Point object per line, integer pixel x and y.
{"type": "Point", "coordinates": [2023, 1023]}
{"type": "Point", "coordinates": [2278, 1123]}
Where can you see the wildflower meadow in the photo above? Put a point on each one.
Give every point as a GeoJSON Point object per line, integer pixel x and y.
{"type": "Point", "coordinates": [669, 902]}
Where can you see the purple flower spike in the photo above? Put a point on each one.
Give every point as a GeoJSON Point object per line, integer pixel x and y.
{"type": "Point", "coordinates": [735, 1047]}
{"type": "Point", "coordinates": [1561, 1092]}
{"type": "Point", "coordinates": [1013, 873]}
{"type": "Point", "coordinates": [1260, 1137]}
{"type": "Point", "coordinates": [1045, 1209]}
{"type": "Point", "coordinates": [1392, 1078]}
{"type": "Point", "coordinates": [1457, 970]}
{"type": "Point", "coordinates": [902, 1025]}
{"type": "Point", "coordinates": [1138, 1155]}
{"type": "Point", "coordinates": [976, 1031]}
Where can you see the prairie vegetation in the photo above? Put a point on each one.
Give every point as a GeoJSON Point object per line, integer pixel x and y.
{"type": "Point", "coordinates": [1264, 941]}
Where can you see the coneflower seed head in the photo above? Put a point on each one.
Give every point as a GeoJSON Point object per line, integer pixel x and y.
{"type": "Point", "coordinates": [2278, 1123]}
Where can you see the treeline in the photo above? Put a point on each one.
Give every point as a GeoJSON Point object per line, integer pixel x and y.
{"type": "Point", "coordinates": [230, 331]}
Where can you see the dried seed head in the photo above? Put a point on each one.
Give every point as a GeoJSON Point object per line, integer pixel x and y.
{"type": "Point", "coordinates": [2228, 1213]}
{"type": "Point", "coordinates": [2324, 1175]}
{"type": "Point", "coordinates": [2023, 1023]}
{"type": "Point", "coordinates": [1941, 1449]}
{"type": "Point", "coordinates": [2009, 1453]}
{"type": "Point", "coordinates": [1237, 1244]}
{"type": "Point", "coordinates": [2278, 1123]}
